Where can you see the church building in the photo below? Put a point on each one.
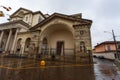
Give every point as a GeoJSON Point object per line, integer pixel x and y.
{"type": "Point", "coordinates": [34, 33]}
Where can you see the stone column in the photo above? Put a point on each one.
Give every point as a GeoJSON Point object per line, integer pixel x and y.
{"type": "Point", "coordinates": [8, 40]}
{"type": "Point", "coordinates": [1, 36]}
{"type": "Point", "coordinates": [14, 41]}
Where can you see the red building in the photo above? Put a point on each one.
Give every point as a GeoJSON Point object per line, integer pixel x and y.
{"type": "Point", "coordinates": [106, 49]}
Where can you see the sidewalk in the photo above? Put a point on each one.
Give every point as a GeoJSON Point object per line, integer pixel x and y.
{"type": "Point", "coordinates": [117, 65]}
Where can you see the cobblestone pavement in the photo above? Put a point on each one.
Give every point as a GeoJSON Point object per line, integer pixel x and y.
{"type": "Point", "coordinates": [105, 70]}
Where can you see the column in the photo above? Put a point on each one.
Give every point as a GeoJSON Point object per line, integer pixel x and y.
{"type": "Point", "coordinates": [8, 40]}
{"type": "Point", "coordinates": [14, 41]}
{"type": "Point", "coordinates": [1, 36]}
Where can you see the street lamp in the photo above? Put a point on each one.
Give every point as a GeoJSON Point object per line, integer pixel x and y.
{"type": "Point", "coordinates": [114, 38]}
{"type": "Point", "coordinates": [117, 56]}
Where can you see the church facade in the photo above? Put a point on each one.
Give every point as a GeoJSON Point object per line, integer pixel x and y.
{"type": "Point", "coordinates": [35, 33]}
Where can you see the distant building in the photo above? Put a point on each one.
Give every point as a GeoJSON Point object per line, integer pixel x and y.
{"type": "Point", "coordinates": [106, 49]}
{"type": "Point", "coordinates": [34, 33]}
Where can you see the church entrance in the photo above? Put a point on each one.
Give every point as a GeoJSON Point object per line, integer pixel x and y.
{"type": "Point", "coordinates": [60, 47]}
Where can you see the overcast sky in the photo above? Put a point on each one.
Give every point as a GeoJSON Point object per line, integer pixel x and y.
{"type": "Point", "coordinates": [105, 14]}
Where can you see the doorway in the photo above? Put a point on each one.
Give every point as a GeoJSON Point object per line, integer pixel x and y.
{"type": "Point", "coordinates": [60, 47]}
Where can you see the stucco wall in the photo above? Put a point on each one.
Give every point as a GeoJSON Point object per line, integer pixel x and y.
{"type": "Point", "coordinates": [35, 19]}
{"type": "Point", "coordinates": [65, 36]}
{"type": "Point", "coordinates": [103, 47]}
{"type": "Point", "coordinates": [109, 55]}
{"type": "Point", "coordinates": [100, 48]}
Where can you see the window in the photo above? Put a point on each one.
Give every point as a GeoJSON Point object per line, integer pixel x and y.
{"type": "Point", "coordinates": [27, 43]}
{"type": "Point", "coordinates": [107, 48]}
{"type": "Point", "coordinates": [26, 18]}
{"type": "Point", "coordinates": [118, 46]}
{"type": "Point", "coordinates": [40, 19]}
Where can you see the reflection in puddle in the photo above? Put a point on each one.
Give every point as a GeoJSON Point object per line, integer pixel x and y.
{"type": "Point", "coordinates": [22, 69]}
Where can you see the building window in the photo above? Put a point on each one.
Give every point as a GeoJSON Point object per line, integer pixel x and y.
{"type": "Point", "coordinates": [27, 43]}
{"type": "Point", "coordinates": [118, 46]}
{"type": "Point", "coordinates": [26, 18]}
{"type": "Point", "coordinates": [107, 48]}
{"type": "Point", "coordinates": [39, 20]}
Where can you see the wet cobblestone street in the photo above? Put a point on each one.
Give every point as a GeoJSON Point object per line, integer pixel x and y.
{"type": "Point", "coordinates": [28, 69]}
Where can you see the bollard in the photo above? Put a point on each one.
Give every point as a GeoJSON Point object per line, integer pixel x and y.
{"type": "Point", "coordinates": [42, 63]}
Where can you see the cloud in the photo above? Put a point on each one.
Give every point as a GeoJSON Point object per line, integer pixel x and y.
{"type": "Point", "coordinates": [104, 13]}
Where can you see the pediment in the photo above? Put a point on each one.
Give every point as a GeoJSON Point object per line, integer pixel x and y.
{"type": "Point", "coordinates": [56, 17]}
{"type": "Point", "coordinates": [20, 12]}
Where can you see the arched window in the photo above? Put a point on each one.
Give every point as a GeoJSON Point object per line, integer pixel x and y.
{"type": "Point", "coordinates": [27, 44]}
{"type": "Point", "coordinates": [44, 46]}
{"type": "Point", "coordinates": [19, 45]}
{"type": "Point", "coordinates": [82, 47]}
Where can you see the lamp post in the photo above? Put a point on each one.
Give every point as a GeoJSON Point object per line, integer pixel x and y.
{"type": "Point", "coordinates": [114, 38]}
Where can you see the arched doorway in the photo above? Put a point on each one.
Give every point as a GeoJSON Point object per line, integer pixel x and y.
{"type": "Point", "coordinates": [60, 40]}
{"type": "Point", "coordinates": [44, 49]}
{"type": "Point", "coordinates": [27, 45]}
{"type": "Point", "coordinates": [18, 49]}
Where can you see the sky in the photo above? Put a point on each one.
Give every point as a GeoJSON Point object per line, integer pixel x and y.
{"type": "Point", "coordinates": [105, 14]}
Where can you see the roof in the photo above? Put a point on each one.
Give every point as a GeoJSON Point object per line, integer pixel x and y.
{"type": "Point", "coordinates": [19, 10]}
{"type": "Point", "coordinates": [107, 42]}
{"type": "Point", "coordinates": [29, 11]}
{"type": "Point", "coordinates": [16, 21]}
{"type": "Point", "coordinates": [69, 17]}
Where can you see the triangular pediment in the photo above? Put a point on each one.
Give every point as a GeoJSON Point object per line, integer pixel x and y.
{"type": "Point", "coordinates": [21, 12]}
{"type": "Point", "coordinates": [62, 16]}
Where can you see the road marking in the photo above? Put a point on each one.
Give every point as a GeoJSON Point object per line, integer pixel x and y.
{"type": "Point", "coordinates": [43, 67]}
{"type": "Point", "coordinates": [4, 67]}
{"type": "Point", "coordinates": [7, 64]}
